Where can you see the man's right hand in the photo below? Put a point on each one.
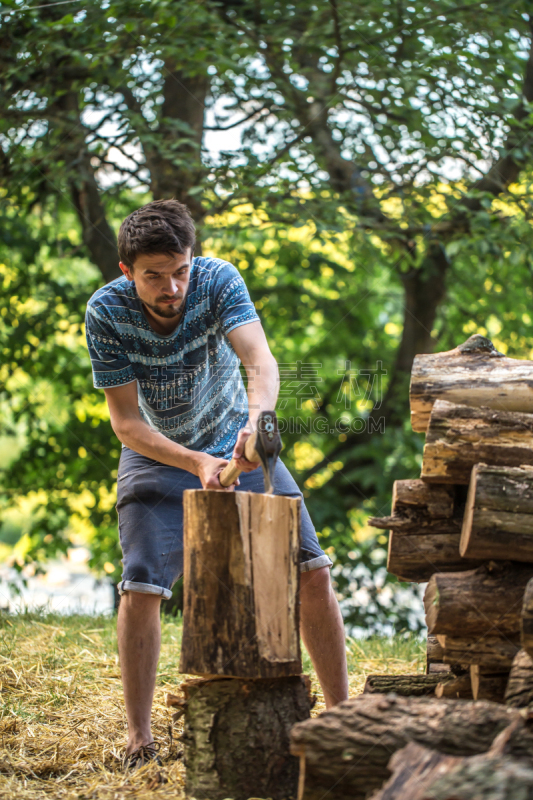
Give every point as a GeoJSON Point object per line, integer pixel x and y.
{"type": "Point", "coordinates": [208, 470]}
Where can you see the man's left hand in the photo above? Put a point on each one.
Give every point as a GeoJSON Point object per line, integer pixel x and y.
{"type": "Point", "coordinates": [238, 452]}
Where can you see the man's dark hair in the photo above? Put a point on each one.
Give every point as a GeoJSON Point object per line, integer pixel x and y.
{"type": "Point", "coordinates": [164, 226]}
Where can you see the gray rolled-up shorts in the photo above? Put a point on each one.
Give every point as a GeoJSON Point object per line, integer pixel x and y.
{"type": "Point", "coordinates": [150, 520]}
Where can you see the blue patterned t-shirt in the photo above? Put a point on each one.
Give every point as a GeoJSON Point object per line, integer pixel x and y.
{"type": "Point", "coordinates": [189, 384]}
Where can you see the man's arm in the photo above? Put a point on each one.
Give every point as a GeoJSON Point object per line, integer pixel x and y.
{"type": "Point", "coordinates": [250, 344]}
{"type": "Point", "coordinates": [135, 433]}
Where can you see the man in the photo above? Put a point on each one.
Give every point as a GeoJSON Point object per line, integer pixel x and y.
{"type": "Point", "coordinates": [166, 341]}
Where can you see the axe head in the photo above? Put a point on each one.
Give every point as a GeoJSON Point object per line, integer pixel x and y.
{"type": "Point", "coordinates": [268, 446]}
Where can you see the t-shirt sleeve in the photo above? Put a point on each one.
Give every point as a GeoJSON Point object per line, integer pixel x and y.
{"type": "Point", "coordinates": [110, 362]}
{"type": "Point", "coordinates": [230, 299]}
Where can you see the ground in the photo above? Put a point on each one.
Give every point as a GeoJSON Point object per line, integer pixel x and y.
{"type": "Point", "coordinates": [62, 721]}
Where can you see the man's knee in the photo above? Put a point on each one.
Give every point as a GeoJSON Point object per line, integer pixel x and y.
{"type": "Point", "coordinates": [315, 582]}
{"type": "Point", "coordinates": [139, 601]}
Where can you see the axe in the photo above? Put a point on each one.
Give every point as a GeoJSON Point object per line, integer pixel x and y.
{"type": "Point", "coordinates": [263, 445]}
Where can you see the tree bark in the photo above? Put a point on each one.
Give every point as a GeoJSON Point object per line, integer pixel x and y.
{"type": "Point", "coordinates": [404, 685]}
{"type": "Point", "coordinates": [527, 620]}
{"type": "Point", "coordinates": [236, 737]}
{"type": "Point", "coordinates": [98, 236]}
{"type": "Point", "coordinates": [345, 751]}
{"type": "Point", "coordinates": [519, 691]}
{"type": "Point", "coordinates": [241, 577]}
{"type": "Point", "coordinates": [175, 164]}
{"type": "Point", "coordinates": [472, 374]}
{"type": "Point", "coordinates": [481, 602]}
{"type": "Point", "coordinates": [493, 653]}
{"type": "Point", "coordinates": [416, 557]}
{"type": "Point", "coordinates": [488, 685]}
{"type": "Point", "coordinates": [498, 521]}
{"type": "Point", "coordinates": [420, 773]}
{"type": "Point", "coordinates": [416, 505]}
{"type": "Point", "coordinates": [460, 436]}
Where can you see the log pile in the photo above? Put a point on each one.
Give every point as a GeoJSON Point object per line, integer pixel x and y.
{"type": "Point", "coordinates": [345, 752]}
{"type": "Point", "coordinates": [466, 527]}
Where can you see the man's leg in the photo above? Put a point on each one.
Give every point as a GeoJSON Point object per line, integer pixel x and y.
{"type": "Point", "coordinates": [139, 642]}
{"type": "Point", "coordinates": [322, 631]}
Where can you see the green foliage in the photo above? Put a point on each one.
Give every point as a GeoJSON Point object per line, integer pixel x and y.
{"type": "Point", "coordinates": [66, 467]}
{"type": "Point", "coordinates": [355, 206]}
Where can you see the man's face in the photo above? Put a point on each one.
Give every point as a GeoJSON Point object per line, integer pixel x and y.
{"type": "Point", "coordinates": [161, 281]}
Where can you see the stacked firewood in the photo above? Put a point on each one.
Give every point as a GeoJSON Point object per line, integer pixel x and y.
{"type": "Point", "coordinates": [466, 526]}
{"type": "Point", "coordinates": [461, 731]}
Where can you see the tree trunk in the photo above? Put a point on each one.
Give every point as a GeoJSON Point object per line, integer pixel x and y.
{"type": "Point", "coordinates": [404, 685]}
{"type": "Point", "coordinates": [519, 691]}
{"type": "Point", "coordinates": [241, 577]}
{"type": "Point", "coordinates": [236, 737]}
{"type": "Point", "coordinates": [488, 685]}
{"type": "Point", "coordinates": [473, 374]}
{"type": "Point", "coordinates": [175, 164]}
{"type": "Point", "coordinates": [527, 619]}
{"type": "Point", "coordinates": [416, 557]}
{"type": "Point", "coordinates": [98, 236]}
{"type": "Point", "coordinates": [481, 602]}
{"type": "Point", "coordinates": [493, 653]}
{"type": "Point", "coordinates": [420, 773]}
{"type": "Point", "coordinates": [458, 688]}
{"type": "Point", "coordinates": [345, 751]}
{"type": "Point", "coordinates": [459, 437]}
{"type": "Point", "coordinates": [498, 521]}
{"type": "Point", "coordinates": [424, 290]}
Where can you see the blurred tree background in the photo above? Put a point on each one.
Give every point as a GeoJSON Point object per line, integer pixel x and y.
{"type": "Point", "coordinates": [366, 165]}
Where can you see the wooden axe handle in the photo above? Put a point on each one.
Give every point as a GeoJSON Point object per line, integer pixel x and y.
{"type": "Point", "coordinates": [231, 472]}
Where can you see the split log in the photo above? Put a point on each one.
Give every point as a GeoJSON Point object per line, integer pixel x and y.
{"type": "Point", "coordinates": [527, 619]}
{"type": "Point", "coordinates": [493, 653]}
{"type": "Point", "coordinates": [435, 659]}
{"type": "Point", "coordinates": [473, 374]}
{"type": "Point", "coordinates": [519, 691]}
{"type": "Point", "coordinates": [425, 525]}
{"type": "Point", "coordinates": [420, 773]}
{"type": "Point", "coordinates": [416, 505]}
{"type": "Point", "coordinates": [488, 685]}
{"type": "Point", "coordinates": [434, 651]}
{"type": "Point", "coordinates": [460, 436]}
{"type": "Point", "coordinates": [345, 751]}
{"type": "Point", "coordinates": [458, 688]}
{"type": "Point", "coordinates": [404, 685]}
{"type": "Point", "coordinates": [438, 668]}
{"type": "Point", "coordinates": [481, 602]}
{"type": "Point", "coordinates": [417, 557]}
{"type": "Point", "coordinates": [241, 573]}
{"type": "Point", "coordinates": [236, 737]}
{"type": "Point", "coordinates": [498, 521]}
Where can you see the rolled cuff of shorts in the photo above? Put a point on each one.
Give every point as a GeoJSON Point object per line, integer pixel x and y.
{"type": "Point", "coordinates": [316, 563]}
{"type": "Point", "coordinates": [144, 588]}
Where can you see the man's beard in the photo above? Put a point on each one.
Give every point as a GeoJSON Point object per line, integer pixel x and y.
{"type": "Point", "coordinates": [167, 312]}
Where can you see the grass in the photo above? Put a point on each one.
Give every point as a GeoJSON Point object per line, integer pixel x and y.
{"type": "Point", "coordinates": [62, 720]}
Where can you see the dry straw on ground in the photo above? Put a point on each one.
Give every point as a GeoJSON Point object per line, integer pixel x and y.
{"type": "Point", "coordinates": [62, 720]}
